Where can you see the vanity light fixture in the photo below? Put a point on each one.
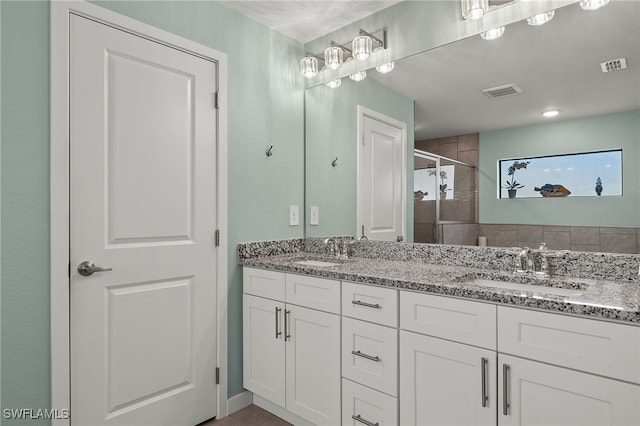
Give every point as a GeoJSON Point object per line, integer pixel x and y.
{"type": "Point", "coordinates": [541, 19]}
{"type": "Point", "coordinates": [593, 4]}
{"type": "Point", "coordinates": [334, 83]}
{"type": "Point", "coordinates": [309, 66]}
{"type": "Point", "coordinates": [333, 57]}
{"type": "Point", "coordinates": [474, 9]}
{"type": "Point", "coordinates": [550, 113]}
{"type": "Point", "coordinates": [385, 68]}
{"type": "Point", "coordinates": [492, 34]}
{"type": "Point", "coordinates": [358, 76]}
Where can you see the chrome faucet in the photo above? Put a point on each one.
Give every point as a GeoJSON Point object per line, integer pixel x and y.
{"type": "Point", "coordinates": [524, 262]}
{"type": "Point", "coordinates": [332, 244]}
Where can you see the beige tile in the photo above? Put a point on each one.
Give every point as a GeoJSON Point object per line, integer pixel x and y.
{"type": "Point", "coordinates": [469, 157]}
{"type": "Point", "coordinates": [505, 238]}
{"type": "Point", "coordinates": [502, 227]}
{"type": "Point", "coordinates": [585, 235]}
{"type": "Point", "coordinates": [430, 145]}
{"type": "Point", "coordinates": [449, 150]}
{"type": "Point", "coordinates": [638, 243]}
{"type": "Point", "coordinates": [486, 230]}
{"type": "Point", "coordinates": [449, 140]}
{"type": "Point", "coordinates": [470, 142]}
{"type": "Point", "coordinates": [612, 243]}
{"type": "Point", "coordinates": [618, 231]}
{"type": "Point", "coordinates": [530, 233]}
{"type": "Point", "coordinates": [557, 240]}
{"type": "Point", "coordinates": [557, 229]}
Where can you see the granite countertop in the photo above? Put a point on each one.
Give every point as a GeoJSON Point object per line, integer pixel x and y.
{"type": "Point", "coordinates": [598, 299]}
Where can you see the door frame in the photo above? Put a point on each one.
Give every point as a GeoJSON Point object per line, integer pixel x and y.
{"type": "Point", "coordinates": [59, 187]}
{"type": "Point", "coordinates": [366, 112]}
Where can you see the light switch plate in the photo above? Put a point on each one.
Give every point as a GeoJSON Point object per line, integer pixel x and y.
{"type": "Point", "coordinates": [294, 216]}
{"type": "Point", "coordinates": [314, 215]}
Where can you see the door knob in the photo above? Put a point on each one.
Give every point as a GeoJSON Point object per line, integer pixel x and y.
{"type": "Point", "coordinates": [87, 268]}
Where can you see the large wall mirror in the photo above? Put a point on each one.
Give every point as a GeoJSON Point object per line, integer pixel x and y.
{"type": "Point", "coordinates": [439, 95]}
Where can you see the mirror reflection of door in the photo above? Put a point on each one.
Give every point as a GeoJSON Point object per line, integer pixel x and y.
{"type": "Point", "coordinates": [381, 177]}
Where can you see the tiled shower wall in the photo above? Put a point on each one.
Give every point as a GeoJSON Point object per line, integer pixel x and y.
{"type": "Point", "coordinates": [578, 238]}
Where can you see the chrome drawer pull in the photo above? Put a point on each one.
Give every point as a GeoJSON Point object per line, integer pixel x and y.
{"type": "Point", "coordinates": [505, 389]}
{"type": "Point", "coordinates": [287, 329]}
{"type": "Point", "coordinates": [485, 394]}
{"type": "Point", "coordinates": [359, 418]}
{"type": "Point", "coordinates": [372, 358]}
{"type": "Point", "coordinates": [368, 305]}
{"type": "Point", "coordinates": [278, 332]}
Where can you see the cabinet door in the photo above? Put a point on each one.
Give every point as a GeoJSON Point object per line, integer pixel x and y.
{"type": "Point", "coordinates": [313, 365]}
{"type": "Point", "coordinates": [542, 394]}
{"type": "Point", "coordinates": [445, 383]}
{"type": "Point", "coordinates": [362, 406]}
{"type": "Point", "coordinates": [264, 350]}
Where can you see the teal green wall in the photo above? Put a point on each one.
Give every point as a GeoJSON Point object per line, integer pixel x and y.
{"type": "Point", "coordinates": [620, 130]}
{"type": "Point", "coordinates": [265, 106]}
{"type": "Point", "coordinates": [331, 131]}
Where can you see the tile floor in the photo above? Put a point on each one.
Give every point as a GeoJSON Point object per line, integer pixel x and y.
{"type": "Point", "coordinates": [249, 416]}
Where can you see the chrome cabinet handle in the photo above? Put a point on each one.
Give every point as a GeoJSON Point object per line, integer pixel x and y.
{"type": "Point", "coordinates": [278, 332]}
{"type": "Point", "coordinates": [372, 358]}
{"type": "Point", "coordinates": [359, 418]}
{"type": "Point", "coordinates": [368, 305]}
{"type": "Point", "coordinates": [485, 394]}
{"type": "Point", "coordinates": [287, 333]}
{"type": "Point", "coordinates": [87, 268]}
{"type": "Point", "coordinates": [505, 389]}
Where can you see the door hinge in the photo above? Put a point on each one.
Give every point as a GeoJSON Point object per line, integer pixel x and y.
{"type": "Point", "coordinates": [217, 375]}
{"type": "Point", "coordinates": [215, 100]}
{"type": "Point", "coordinates": [217, 238]}
{"type": "Point", "coordinates": [69, 270]}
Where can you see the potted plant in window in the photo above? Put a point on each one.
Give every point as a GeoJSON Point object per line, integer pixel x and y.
{"type": "Point", "coordinates": [511, 185]}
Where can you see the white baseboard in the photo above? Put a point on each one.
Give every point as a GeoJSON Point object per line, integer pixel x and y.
{"type": "Point", "coordinates": [280, 412]}
{"type": "Point", "coordinates": [238, 402]}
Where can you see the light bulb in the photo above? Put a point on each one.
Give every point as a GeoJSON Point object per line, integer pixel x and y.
{"type": "Point", "coordinates": [385, 68]}
{"type": "Point", "coordinates": [541, 19]}
{"type": "Point", "coordinates": [474, 9]}
{"type": "Point", "coordinates": [493, 33]}
{"type": "Point", "coordinates": [551, 113]}
{"type": "Point", "coordinates": [361, 47]}
{"type": "Point", "coordinates": [593, 4]}
{"type": "Point", "coordinates": [309, 67]}
{"type": "Point", "coordinates": [333, 57]}
{"type": "Point", "coordinates": [358, 76]}
{"type": "Point", "coordinates": [334, 83]}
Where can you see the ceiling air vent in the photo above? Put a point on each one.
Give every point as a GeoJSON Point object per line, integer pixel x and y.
{"type": "Point", "coordinates": [502, 91]}
{"type": "Point", "coordinates": [614, 65]}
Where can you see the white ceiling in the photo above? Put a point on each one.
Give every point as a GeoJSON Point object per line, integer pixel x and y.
{"type": "Point", "coordinates": [306, 20]}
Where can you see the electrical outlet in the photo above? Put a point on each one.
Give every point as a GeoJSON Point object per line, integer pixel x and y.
{"type": "Point", "coordinates": [294, 216]}
{"type": "Point", "coordinates": [314, 216]}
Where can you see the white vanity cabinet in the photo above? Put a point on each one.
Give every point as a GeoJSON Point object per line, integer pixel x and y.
{"type": "Point", "coordinates": [473, 363]}
{"type": "Point", "coordinates": [445, 382]}
{"type": "Point", "coordinates": [291, 353]}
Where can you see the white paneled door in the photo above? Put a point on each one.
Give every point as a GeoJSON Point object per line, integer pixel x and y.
{"type": "Point", "coordinates": [142, 203]}
{"type": "Point", "coordinates": [381, 177]}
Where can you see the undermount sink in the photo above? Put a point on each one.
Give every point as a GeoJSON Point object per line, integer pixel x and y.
{"type": "Point", "coordinates": [481, 282]}
{"type": "Point", "coordinates": [319, 263]}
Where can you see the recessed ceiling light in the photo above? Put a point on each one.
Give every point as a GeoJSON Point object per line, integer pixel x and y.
{"type": "Point", "coordinates": [551, 113]}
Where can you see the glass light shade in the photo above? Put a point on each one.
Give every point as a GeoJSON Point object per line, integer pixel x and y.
{"type": "Point", "coordinates": [361, 47]}
{"type": "Point", "coordinates": [385, 68]}
{"type": "Point", "coordinates": [308, 67]}
{"type": "Point", "coordinates": [493, 33]}
{"type": "Point", "coordinates": [541, 19]}
{"type": "Point", "coordinates": [474, 9]}
{"type": "Point", "coordinates": [358, 76]}
{"type": "Point", "coordinates": [334, 83]}
{"type": "Point", "coordinates": [593, 4]}
{"type": "Point", "coordinates": [333, 57]}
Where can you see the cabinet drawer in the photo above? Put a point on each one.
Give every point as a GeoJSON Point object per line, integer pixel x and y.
{"type": "Point", "coordinates": [264, 283]}
{"type": "Point", "coordinates": [370, 355]}
{"type": "Point", "coordinates": [453, 319]}
{"type": "Point", "coordinates": [368, 405]}
{"type": "Point", "coordinates": [599, 347]}
{"type": "Point", "coordinates": [369, 303]}
{"type": "Point", "coordinates": [314, 293]}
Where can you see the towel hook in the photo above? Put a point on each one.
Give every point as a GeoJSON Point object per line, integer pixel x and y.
{"type": "Point", "coordinates": [269, 152]}
{"type": "Point", "coordinates": [334, 163]}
